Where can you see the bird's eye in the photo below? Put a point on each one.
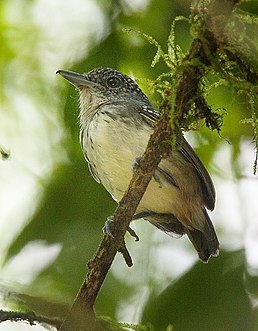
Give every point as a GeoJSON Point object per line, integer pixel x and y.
{"type": "Point", "coordinates": [114, 82]}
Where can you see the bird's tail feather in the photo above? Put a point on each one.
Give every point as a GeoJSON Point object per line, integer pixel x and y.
{"type": "Point", "coordinates": [205, 241]}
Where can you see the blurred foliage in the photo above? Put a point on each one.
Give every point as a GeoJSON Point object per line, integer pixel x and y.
{"type": "Point", "coordinates": [73, 207]}
{"type": "Point", "coordinates": [219, 302]}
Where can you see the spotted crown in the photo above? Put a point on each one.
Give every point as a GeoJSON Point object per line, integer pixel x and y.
{"type": "Point", "coordinates": [114, 83]}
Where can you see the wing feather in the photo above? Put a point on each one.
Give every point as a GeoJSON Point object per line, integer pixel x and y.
{"type": "Point", "coordinates": [151, 116]}
{"type": "Point", "coordinates": [208, 189]}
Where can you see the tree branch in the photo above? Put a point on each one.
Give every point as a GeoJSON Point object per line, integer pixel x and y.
{"type": "Point", "coordinates": [195, 65]}
{"type": "Point", "coordinates": [29, 317]}
{"type": "Point", "coordinates": [213, 16]}
{"type": "Point", "coordinates": [82, 310]}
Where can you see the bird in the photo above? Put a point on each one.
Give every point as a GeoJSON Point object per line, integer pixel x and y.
{"type": "Point", "coordinates": [116, 120]}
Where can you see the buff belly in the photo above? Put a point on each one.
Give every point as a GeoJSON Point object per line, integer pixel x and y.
{"type": "Point", "coordinates": [112, 151]}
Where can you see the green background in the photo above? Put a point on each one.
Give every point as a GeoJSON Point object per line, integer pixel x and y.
{"type": "Point", "coordinates": [69, 208]}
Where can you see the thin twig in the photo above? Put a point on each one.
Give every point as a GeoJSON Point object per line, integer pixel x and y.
{"type": "Point", "coordinates": [126, 255]}
{"type": "Point", "coordinates": [29, 317]}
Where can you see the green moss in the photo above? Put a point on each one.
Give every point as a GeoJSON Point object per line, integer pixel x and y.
{"type": "Point", "coordinates": [222, 54]}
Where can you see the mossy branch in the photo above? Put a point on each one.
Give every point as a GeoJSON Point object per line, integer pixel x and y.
{"type": "Point", "coordinates": [188, 73]}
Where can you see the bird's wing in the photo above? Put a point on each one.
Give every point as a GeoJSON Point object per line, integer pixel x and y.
{"type": "Point", "coordinates": [151, 116]}
{"type": "Point", "coordinates": [207, 184]}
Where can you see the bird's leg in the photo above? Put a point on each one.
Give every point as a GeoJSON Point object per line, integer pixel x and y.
{"type": "Point", "coordinates": [136, 163]}
{"type": "Point", "coordinates": [155, 175]}
{"type": "Point", "coordinates": [157, 179]}
{"type": "Point", "coordinates": [107, 229]}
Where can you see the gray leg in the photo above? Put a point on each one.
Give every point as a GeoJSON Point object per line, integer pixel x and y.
{"type": "Point", "coordinates": [157, 179]}
{"type": "Point", "coordinates": [107, 229]}
{"type": "Point", "coordinates": [136, 162]}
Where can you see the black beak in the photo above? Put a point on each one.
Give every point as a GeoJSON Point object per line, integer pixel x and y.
{"type": "Point", "coordinates": [77, 80]}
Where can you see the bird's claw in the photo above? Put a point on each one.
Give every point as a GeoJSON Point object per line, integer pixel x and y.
{"type": "Point", "coordinates": [136, 163]}
{"type": "Point", "coordinates": [157, 179]}
{"type": "Point", "coordinates": [107, 229]}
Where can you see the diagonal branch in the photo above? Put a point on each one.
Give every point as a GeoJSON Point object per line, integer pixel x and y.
{"type": "Point", "coordinates": [82, 310]}
{"type": "Point", "coordinates": [28, 317]}
{"type": "Point", "coordinates": [190, 73]}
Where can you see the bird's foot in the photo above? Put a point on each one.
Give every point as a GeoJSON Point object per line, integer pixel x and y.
{"type": "Point", "coordinates": [136, 163]}
{"type": "Point", "coordinates": [157, 179]}
{"type": "Point", "coordinates": [107, 229]}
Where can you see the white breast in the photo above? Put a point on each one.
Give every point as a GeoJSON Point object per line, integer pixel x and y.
{"type": "Point", "coordinates": [112, 149]}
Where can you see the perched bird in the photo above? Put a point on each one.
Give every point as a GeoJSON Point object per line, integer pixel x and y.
{"type": "Point", "coordinates": [116, 121]}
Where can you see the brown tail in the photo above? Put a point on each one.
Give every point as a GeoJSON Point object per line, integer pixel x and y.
{"type": "Point", "coordinates": [205, 242]}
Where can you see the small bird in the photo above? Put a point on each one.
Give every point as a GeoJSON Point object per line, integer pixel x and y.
{"type": "Point", "coordinates": [116, 121]}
